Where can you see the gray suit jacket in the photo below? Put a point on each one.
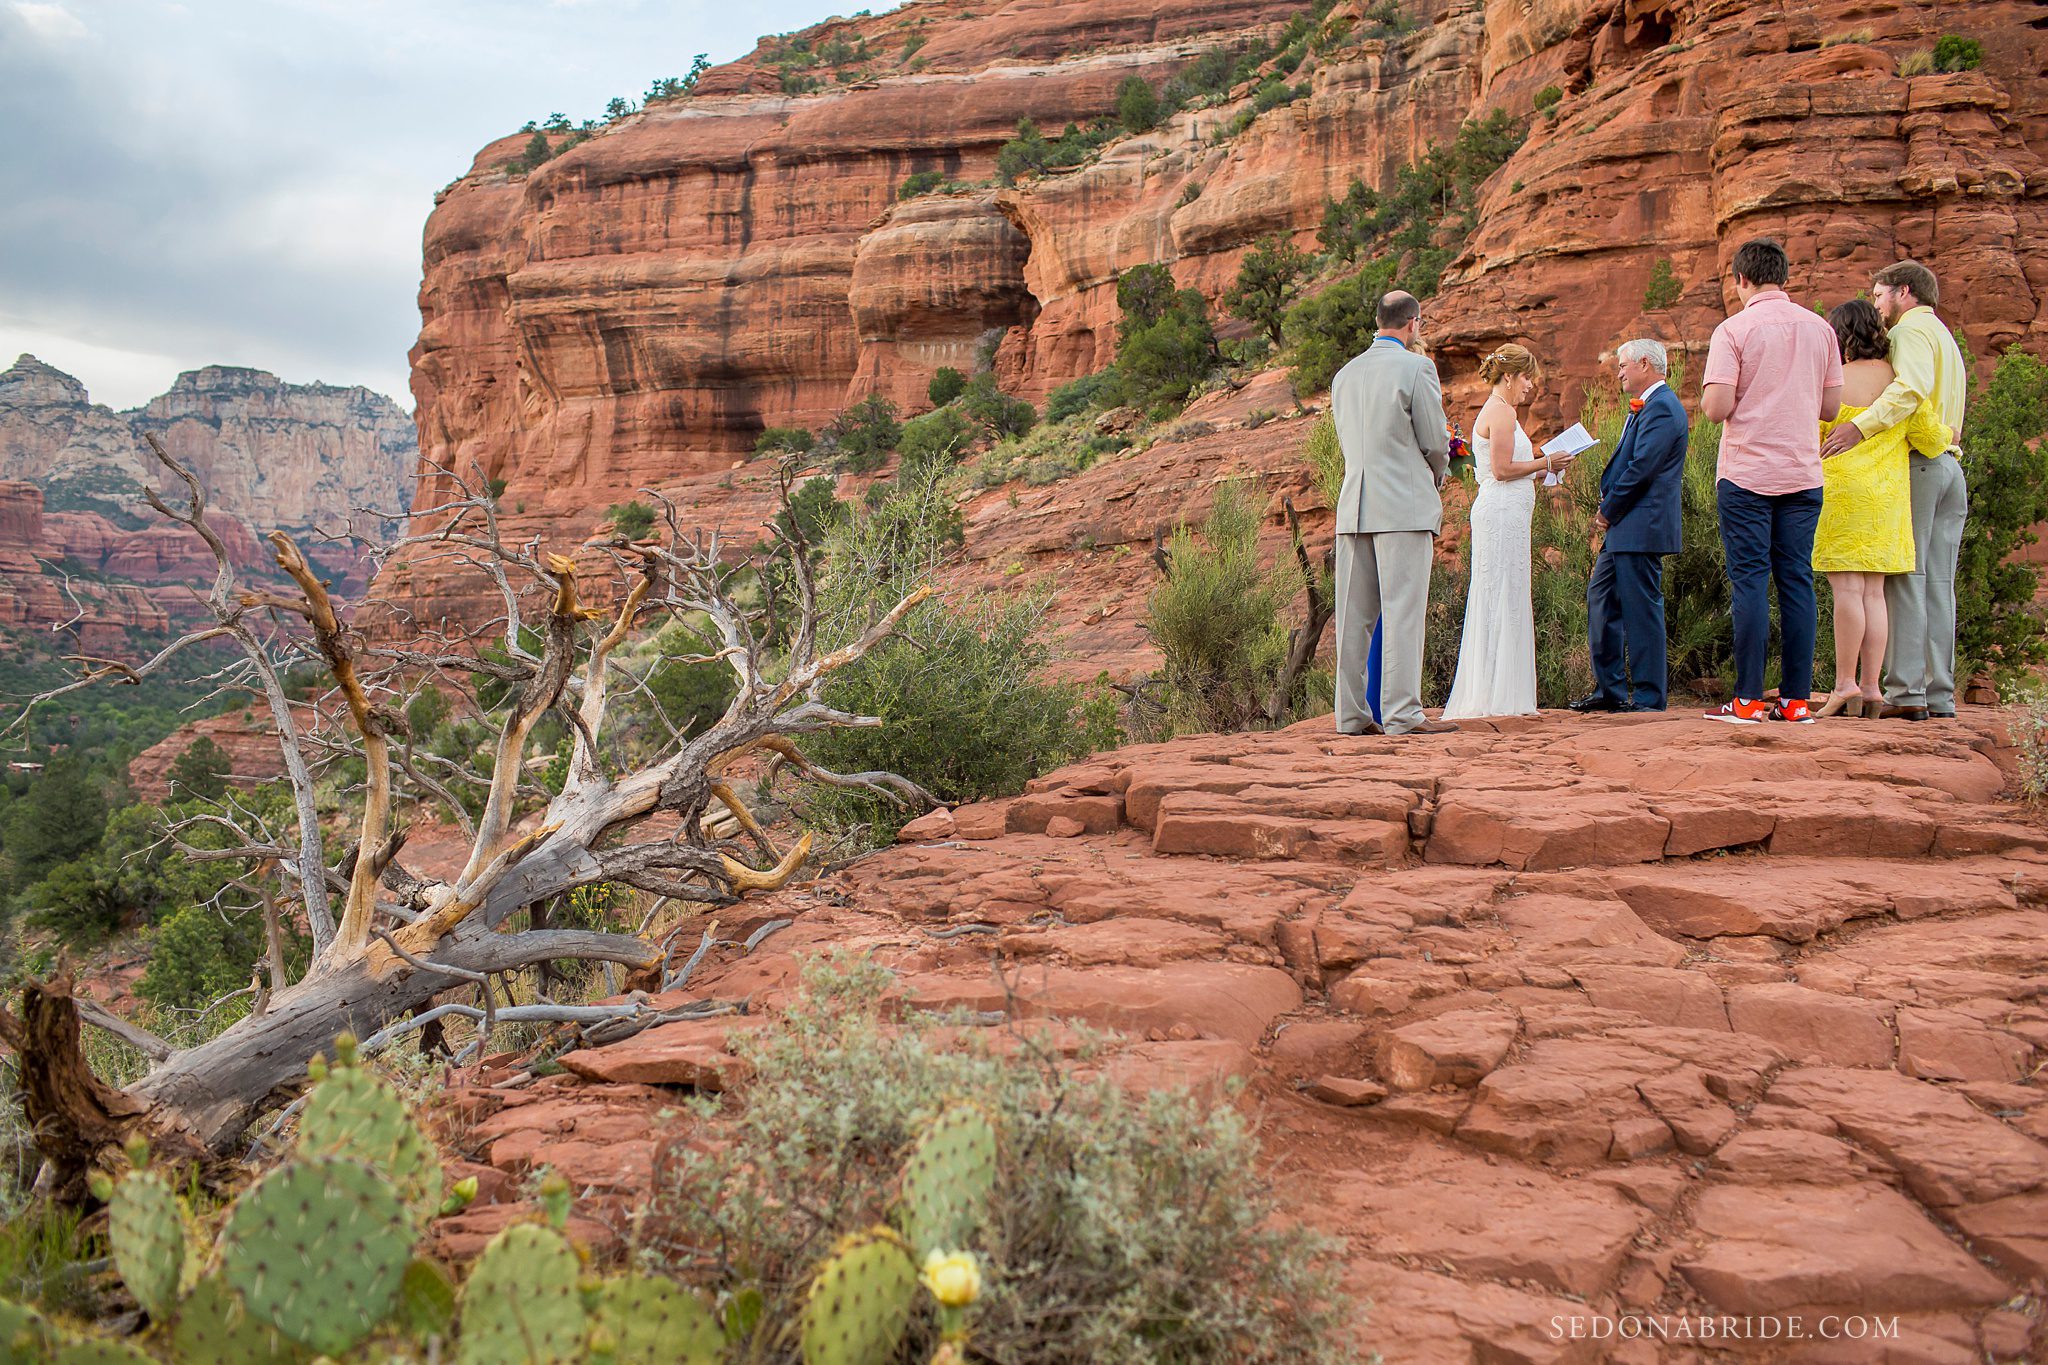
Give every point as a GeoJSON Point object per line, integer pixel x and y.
{"type": "Point", "coordinates": [1389, 410]}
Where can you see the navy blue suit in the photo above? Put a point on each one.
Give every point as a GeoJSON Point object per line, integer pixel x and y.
{"type": "Point", "coordinates": [1639, 495]}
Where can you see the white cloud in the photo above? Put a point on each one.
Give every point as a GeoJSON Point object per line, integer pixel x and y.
{"type": "Point", "coordinates": [249, 187]}
{"type": "Point", "coordinates": [51, 22]}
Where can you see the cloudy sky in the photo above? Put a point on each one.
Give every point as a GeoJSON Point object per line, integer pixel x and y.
{"type": "Point", "coordinates": [191, 182]}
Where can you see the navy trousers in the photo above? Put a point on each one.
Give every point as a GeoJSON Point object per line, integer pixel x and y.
{"type": "Point", "coordinates": [1770, 539]}
{"type": "Point", "coordinates": [1625, 627]}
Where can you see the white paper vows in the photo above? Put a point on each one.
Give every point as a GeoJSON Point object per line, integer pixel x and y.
{"type": "Point", "coordinates": [1569, 442]}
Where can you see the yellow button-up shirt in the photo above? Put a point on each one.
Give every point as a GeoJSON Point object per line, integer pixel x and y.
{"type": "Point", "coordinates": [1927, 365]}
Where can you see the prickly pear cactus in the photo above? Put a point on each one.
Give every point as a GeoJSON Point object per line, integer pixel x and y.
{"type": "Point", "coordinates": [317, 1250]}
{"type": "Point", "coordinates": [521, 1305]}
{"type": "Point", "coordinates": [213, 1328]}
{"type": "Point", "coordinates": [147, 1230]}
{"type": "Point", "coordinates": [947, 1180]}
{"type": "Point", "coordinates": [653, 1321]}
{"type": "Point", "coordinates": [356, 1114]}
{"type": "Point", "coordinates": [87, 1351]}
{"type": "Point", "coordinates": [24, 1335]}
{"type": "Point", "coordinates": [860, 1301]}
{"type": "Point", "coordinates": [427, 1299]}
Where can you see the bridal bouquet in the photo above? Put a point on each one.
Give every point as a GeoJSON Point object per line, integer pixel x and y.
{"type": "Point", "coordinates": [1461, 453]}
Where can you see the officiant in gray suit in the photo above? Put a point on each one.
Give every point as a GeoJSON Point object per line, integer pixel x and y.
{"type": "Point", "coordinates": [1389, 409]}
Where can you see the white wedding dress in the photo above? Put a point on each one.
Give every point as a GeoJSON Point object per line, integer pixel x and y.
{"type": "Point", "coordinates": [1497, 656]}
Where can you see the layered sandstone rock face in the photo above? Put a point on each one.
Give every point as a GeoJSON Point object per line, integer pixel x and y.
{"type": "Point", "coordinates": [84, 554]}
{"type": "Point", "coordinates": [633, 312]}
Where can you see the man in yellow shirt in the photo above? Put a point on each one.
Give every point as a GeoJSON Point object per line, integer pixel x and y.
{"type": "Point", "coordinates": [1920, 661]}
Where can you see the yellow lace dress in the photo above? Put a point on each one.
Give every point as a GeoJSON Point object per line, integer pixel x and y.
{"type": "Point", "coordinates": [1866, 511]}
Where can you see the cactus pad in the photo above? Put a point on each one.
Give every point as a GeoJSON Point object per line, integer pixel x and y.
{"type": "Point", "coordinates": [148, 1233]}
{"type": "Point", "coordinates": [655, 1322]}
{"type": "Point", "coordinates": [427, 1299]}
{"type": "Point", "coordinates": [214, 1328]}
{"type": "Point", "coordinates": [24, 1335]}
{"type": "Point", "coordinates": [860, 1301]}
{"type": "Point", "coordinates": [317, 1249]}
{"type": "Point", "coordinates": [947, 1180]}
{"type": "Point", "coordinates": [521, 1305]}
{"type": "Point", "coordinates": [358, 1115]}
{"type": "Point", "coordinates": [88, 1351]}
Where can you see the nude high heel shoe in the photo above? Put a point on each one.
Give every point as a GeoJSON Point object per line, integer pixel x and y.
{"type": "Point", "coordinates": [1848, 704]}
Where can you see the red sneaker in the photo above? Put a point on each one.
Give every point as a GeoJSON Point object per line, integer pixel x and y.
{"type": "Point", "coordinates": [1740, 712]}
{"type": "Point", "coordinates": [1793, 709]}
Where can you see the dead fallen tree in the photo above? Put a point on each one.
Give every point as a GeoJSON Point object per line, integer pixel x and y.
{"type": "Point", "coordinates": [386, 942]}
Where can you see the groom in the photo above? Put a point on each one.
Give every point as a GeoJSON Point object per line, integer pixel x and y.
{"type": "Point", "coordinates": [1639, 511]}
{"type": "Point", "coordinates": [1389, 411]}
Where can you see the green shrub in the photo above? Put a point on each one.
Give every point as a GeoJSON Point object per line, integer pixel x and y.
{"type": "Point", "coordinates": [1137, 105]}
{"type": "Point", "coordinates": [1031, 151]}
{"type": "Point", "coordinates": [1325, 459]}
{"type": "Point", "coordinates": [920, 182]}
{"type": "Point", "coordinates": [941, 435]}
{"type": "Point", "coordinates": [1547, 99]}
{"type": "Point", "coordinates": [946, 385]}
{"type": "Point", "coordinates": [1165, 345]}
{"type": "Point", "coordinates": [1326, 330]}
{"type": "Point", "coordinates": [910, 46]}
{"type": "Point", "coordinates": [1118, 1229]}
{"type": "Point", "coordinates": [784, 440]}
{"type": "Point", "coordinates": [1663, 289]}
{"type": "Point", "coordinates": [1998, 629]}
{"type": "Point", "coordinates": [536, 153]}
{"type": "Point", "coordinates": [200, 771]}
{"type": "Point", "coordinates": [997, 412]}
{"type": "Point", "coordinates": [1952, 52]}
{"type": "Point", "coordinates": [1216, 619]}
{"type": "Point", "coordinates": [1274, 92]}
{"type": "Point", "coordinates": [963, 711]}
{"type": "Point", "coordinates": [1267, 281]}
{"type": "Point", "coordinates": [864, 434]}
{"type": "Point", "coordinates": [633, 520]}
{"type": "Point", "coordinates": [814, 509]}
{"type": "Point", "coordinates": [691, 689]}
{"type": "Point", "coordinates": [1079, 395]}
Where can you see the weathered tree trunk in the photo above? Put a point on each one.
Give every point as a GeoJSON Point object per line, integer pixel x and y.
{"type": "Point", "coordinates": [74, 1115]}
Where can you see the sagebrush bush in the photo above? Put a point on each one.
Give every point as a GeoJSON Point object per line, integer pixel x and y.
{"type": "Point", "coordinates": [1119, 1229]}
{"type": "Point", "coordinates": [1216, 618]}
{"type": "Point", "coordinates": [2028, 730]}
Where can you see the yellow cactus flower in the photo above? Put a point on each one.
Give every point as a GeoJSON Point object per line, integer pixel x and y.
{"type": "Point", "coordinates": [954, 1277]}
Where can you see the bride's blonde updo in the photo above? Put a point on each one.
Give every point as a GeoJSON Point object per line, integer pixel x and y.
{"type": "Point", "coordinates": [1508, 359]}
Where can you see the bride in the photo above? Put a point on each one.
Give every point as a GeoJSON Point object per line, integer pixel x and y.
{"type": "Point", "coordinates": [1497, 657]}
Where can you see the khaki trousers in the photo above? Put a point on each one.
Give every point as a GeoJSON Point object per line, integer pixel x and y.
{"type": "Point", "coordinates": [1382, 576]}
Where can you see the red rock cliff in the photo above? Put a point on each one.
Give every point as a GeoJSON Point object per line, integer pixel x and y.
{"type": "Point", "coordinates": [634, 311]}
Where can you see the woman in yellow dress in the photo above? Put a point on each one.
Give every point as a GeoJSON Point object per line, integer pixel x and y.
{"type": "Point", "coordinates": [1866, 513]}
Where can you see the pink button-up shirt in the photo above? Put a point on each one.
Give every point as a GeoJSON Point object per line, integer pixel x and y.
{"type": "Point", "coordinates": [1779, 356]}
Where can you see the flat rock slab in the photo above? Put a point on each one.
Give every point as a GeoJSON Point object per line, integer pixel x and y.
{"type": "Point", "coordinates": [1858, 1248]}
{"type": "Point", "coordinates": [1501, 1222]}
{"type": "Point", "coordinates": [1949, 1152]}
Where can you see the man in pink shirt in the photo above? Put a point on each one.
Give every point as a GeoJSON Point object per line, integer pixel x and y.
{"type": "Point", "coordinates": [1774, 374]}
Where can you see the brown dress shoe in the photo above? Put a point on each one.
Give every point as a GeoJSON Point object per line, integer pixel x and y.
{"type": "Point", "coordinates": [1434, 727]}
{"type": "Point", "coordinates": [1903, 713]}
